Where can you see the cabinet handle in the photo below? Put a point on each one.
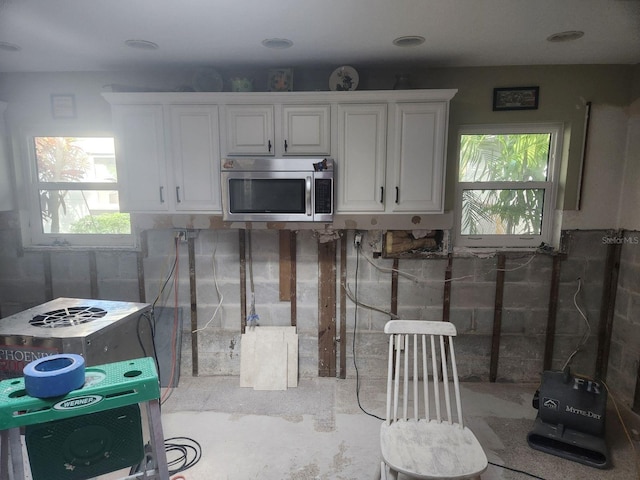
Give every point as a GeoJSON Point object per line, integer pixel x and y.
{"type": "Point", "coordinates": [397, 194]}
{"type": "Point", "coordinates": [161, 194]}
{"type": "Point", "coordinates": [381, 194]}
{"type": "Point", "coordinates": [269, 145]}
{"type": "Point", "coordinates": [286, 145]}
{"type": "Point", "coordinates": [178, 194]}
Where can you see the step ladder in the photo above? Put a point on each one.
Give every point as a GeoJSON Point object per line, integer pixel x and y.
{"type": "Point", "coordinates": [88, 432]}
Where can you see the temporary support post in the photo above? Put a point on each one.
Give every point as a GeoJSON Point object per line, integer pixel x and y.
{"type": "Point", "coordinates": [497, 319]}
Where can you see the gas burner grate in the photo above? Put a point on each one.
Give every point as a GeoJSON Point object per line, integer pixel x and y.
{"type": "Point", "coordinates": [67, 317]}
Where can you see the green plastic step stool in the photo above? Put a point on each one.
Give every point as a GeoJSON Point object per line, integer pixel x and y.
{"type": "Point", "coordinates": [101, 414]}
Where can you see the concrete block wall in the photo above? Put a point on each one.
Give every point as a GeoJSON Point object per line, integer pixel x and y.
{"type": "Point", "coordinates": [420, 294]}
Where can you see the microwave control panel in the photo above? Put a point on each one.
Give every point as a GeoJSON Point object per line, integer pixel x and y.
{"type": "Point", "coordinates": [323, 195]}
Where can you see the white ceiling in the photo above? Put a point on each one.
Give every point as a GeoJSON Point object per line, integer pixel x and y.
{"type": "Point", "coordinates": [89, 35]}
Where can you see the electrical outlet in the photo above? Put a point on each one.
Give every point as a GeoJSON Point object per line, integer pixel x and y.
{"type": "Point", "coordinates": [357, 239]}
{"type": "Point", "coordinates": [181, 233]}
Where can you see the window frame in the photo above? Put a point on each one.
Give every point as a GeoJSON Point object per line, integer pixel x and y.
{"type": "Point", "coordinates": [550, 187]}
{"type": "Point", "coordinates": [33, 234]}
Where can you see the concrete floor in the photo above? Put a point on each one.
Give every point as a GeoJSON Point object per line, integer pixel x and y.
{"type": "Point", "coordinates": [317, 431]}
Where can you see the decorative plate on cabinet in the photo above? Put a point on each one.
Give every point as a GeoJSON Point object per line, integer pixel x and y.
{"type": "Point", "coordinates": [344, 78]}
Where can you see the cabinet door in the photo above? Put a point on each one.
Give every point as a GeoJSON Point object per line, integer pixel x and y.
{"type": "Point", "coordinates": [250, 130]}
{"type": "Point", "coordinates": [419, 151]}
{"type": "Point", "coordinates": [140, 156]}
{"type": "Point", "coordinates": [306, 130]}
{"type": "Point", "coordinates": [196, 157]}
{"type": "Point", "coordinates": [360, 176]}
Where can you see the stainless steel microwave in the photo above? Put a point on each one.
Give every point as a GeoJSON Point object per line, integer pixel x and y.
{"type": "Point", "coordinates": [278, 189]}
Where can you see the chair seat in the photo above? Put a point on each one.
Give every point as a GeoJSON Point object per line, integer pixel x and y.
{"type": "Point", "coordinates": [428, 449]}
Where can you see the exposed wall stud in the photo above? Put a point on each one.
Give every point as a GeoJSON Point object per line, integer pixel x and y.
{"type": "Point", "coordinates": [497, 319]}
{"type": "Point", "coordinates": [327, 309]}
{"type": "Point", "coordinates": [194, 305]}
{"type": "Point", "coordinates": [242, 251]}
{"type": "Point", "coordinates": [552, 314]}
{"type": "Point", "coordinates": [607, 308]}
{"type": "Point", "coordinates": [343, 305]}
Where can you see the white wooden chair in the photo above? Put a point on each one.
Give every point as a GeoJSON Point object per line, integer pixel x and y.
{"type": "Point", "coordinates": [420, 437]}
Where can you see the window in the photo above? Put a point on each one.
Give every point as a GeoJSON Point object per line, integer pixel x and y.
{"type": "Point", "coordinates": [507, 185]}
{"type": "Point", "coordinates": [76, 193]}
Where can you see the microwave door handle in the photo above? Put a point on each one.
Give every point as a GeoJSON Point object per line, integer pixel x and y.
{"type": "Point", "coordinates": [308, 195]}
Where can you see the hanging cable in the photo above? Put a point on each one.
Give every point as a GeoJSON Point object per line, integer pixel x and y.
{"type": "Point", "coordinates": [174, 333]}
{"type": "Point", "coordinates": [586, 335]}
{"type": "Point", "coordinates": [353, 344]}
{"type": "Point", "coordinates": [218, 292]}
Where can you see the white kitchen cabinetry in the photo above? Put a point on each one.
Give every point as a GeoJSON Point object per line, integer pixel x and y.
{"type": "Point", "coordinates": [362, 144]}
{"type": "Point", "coordinates": [394, 165]}
{"type": "Point", "coordinates": [168, 157]}
{"type": "Point", "coordinates": [278, 130]}
{"type": "Point", "coordinates": [196, 157]}
{"type": "Point", "coordinates": [417, 165]}
{"type": "Point", "coordinates": [140, 157]}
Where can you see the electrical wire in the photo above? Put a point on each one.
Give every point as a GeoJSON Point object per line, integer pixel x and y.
{"type": "Point", "coordinates": [516, 470]}
{"type": "Point", "coordinates": [586, 335]}
{"type": "Point", "coordinates": [182, 453]}
{"type": "Point", "coordinates": [174, 333]}
{"type": "Point", "coordinates": [220, 296]}
{"type": "Point", "coordinates": [353, 344]}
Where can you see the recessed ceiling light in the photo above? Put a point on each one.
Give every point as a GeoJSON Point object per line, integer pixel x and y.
{"type": "Point", "coordinates": [408, 41]}
{"type": "Point", "coordinates": [141, 44]}
{"type": "Point", "coordinates": [565, 36]}
{"type": "Point", "coordinates": [277, 43]}
{"type": "Point", "coordinates": [9, 47]}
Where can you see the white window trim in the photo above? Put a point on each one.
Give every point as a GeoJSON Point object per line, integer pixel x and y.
{"type": "Point", "coordinates": [32, 233]}
{"type": "Point", "coordinates": [550, 188]}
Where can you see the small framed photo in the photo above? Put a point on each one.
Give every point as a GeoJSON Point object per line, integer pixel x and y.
{"type": "Point", "coordinates": [63, 106]}
{"type": "Point", "coordinates": [280, 80]}
{"type": "Point", "coordinates": [516, 98]}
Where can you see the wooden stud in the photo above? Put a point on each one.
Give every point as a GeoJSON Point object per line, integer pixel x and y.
{"type": "Point", "coordinates": [497, 319]}
{"type": "Point", "coordinates": [285, 265]}
{"type": "Point", "coordinates": [446, 296]}
{"type": "Point", "coordinates": [242, 250]}
{"type": "Point", "coordinates": [140, 256]}
{"type": "Point", "coordinates": [93, 274]}
{"type": "Point", "coordinates": [636, 396]}
{"type": "Point", "coordinates": [607, 309]}
{"type": "Point", "coordinates": [343, 305]}
{"type": "Point", "coordinates": [327, 309]}
{"type": "Point", "coordinates": [552, 314]}
{"type": "Point", "coordinates": [48, 278]}
{"type": "Point", "coordinates": [394, 287]}
{"type": "Point", "coordinates": [194, 305]}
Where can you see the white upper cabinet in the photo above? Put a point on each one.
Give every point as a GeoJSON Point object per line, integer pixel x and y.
{"type": "Point", "coordinates": [140, 157]}
{"type": "Point", "coordinates": [168, 157]}
{"type": "Point", "coordinates": [389, 146]}
{"type": "Point", "coordinates": [196, 157]}
{"type": "Point", "coordinates": [306, 130]}
{"type": "Point", "coordinates": [362, 144]}
{"type": "Point", "coordinates": [278, 130]}
{"type": "Point", "coordinates": [250, 130]}
{"type": "Point", "coordinates": [417, 166]}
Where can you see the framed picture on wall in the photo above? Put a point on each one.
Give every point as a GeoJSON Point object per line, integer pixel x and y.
{"type": "Point", "coordinates": [516, 98]}
{"type": "Point", "coordinates": [280, 80]}
{"type": "Point", "coordinates": [63, 106]}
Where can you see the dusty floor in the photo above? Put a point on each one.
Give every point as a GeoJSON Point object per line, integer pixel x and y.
{"type": "Point", "coordinates": [317, 431]}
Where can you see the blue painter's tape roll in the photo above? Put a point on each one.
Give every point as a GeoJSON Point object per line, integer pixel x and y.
{"type": "Point", "coordinates": [54, 376]}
